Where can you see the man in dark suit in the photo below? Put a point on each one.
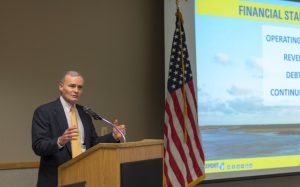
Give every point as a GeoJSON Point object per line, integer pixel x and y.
{"type": "Point", "coordinates": [53, 131]}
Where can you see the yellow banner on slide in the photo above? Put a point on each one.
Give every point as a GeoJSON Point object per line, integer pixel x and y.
{"type": "Point", "coordinates": [247, 164]}
{"type": "Point", "coordinates": [248, 10]}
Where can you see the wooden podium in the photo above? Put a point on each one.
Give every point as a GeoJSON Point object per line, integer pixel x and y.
{"type": "Point", "coordinates": [115, 165]}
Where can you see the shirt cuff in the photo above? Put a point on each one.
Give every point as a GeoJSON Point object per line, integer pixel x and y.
{"type": "Point", "coordinates": [59, 146]}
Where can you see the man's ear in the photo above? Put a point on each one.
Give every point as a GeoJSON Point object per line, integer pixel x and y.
{"type": "Point", "coordinates": [60, 86]}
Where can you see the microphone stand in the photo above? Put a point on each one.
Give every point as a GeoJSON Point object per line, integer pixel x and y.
{"type": "Point", "coordinates": [97, 117]}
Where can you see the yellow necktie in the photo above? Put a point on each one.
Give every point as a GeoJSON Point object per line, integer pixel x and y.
{"type": "Point", "coordinates": [76, 144]}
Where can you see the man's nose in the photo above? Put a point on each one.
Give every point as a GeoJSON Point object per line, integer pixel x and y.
{"type": "Point", "coordinates": [76, 89]}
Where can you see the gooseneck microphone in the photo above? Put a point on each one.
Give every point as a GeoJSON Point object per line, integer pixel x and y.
{"type": "Point", "coordinates": [95, 116]}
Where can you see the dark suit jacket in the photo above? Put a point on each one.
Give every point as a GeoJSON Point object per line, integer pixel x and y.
{"type": "Point", "coordinates": [48, 123]}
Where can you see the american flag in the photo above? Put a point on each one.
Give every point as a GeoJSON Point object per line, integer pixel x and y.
{"type": "Point", "coordinates": [183, 154]}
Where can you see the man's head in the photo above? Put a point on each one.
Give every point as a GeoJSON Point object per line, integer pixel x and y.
{"type": "Point", "coordinates": [71, 87]}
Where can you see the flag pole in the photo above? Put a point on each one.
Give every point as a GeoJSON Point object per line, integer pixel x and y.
{"type": "Point", "coordinates": [180, 22]}
{"type": "Point", "coordinates": [177, 3]}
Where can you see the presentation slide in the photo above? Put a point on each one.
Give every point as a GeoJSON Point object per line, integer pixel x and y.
{"type": "Point", "coordinates": [248, 81]}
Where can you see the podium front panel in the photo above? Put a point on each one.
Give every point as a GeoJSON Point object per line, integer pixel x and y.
{"type": "Point", "coordinates": [146, 173]}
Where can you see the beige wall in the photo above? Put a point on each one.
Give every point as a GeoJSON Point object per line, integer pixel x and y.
{"type": "Point", "coordinates": [117, 45]}
{"type": "Point", "coordinates": [18, 178]}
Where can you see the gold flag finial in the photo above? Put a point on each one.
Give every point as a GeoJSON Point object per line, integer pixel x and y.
{"type": "Point", "coordinates": [177, 4]}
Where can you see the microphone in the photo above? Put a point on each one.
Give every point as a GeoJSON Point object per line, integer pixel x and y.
{"type": "Point", "coordinates": [95, 116]}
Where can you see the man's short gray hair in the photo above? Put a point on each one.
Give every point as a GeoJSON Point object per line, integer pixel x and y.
{"type": "Point", "coordinates": [71, 73]}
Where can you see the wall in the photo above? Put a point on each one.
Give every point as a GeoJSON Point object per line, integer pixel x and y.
{"type": "Point", "coordinates": [116, 45]}
{"type": "Point", "coordinates": [18, 177]}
